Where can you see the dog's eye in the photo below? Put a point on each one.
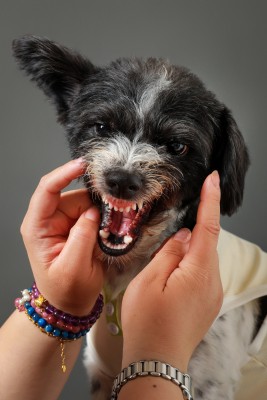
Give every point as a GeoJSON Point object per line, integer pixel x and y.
{"type": "Point", "coordinates": [179, 148]}
{"type": "Point", "coordinates": [102, 128]}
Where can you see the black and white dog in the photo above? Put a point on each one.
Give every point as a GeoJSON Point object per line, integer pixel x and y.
{"type": "Point", "coordinates": [149, 132]}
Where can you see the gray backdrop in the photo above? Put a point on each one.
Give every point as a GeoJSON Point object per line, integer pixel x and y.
{"type": "Point", "coordinates": [224, 42]}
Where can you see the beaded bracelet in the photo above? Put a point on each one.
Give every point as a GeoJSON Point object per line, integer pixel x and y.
{"type": "Point", "coordinates": [66, 318]}
{"type": "Point", "coordinates": [55, 323]}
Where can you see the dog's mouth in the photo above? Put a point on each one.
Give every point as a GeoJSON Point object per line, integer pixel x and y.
{"type": "Point", "coordinates": [121, 224]}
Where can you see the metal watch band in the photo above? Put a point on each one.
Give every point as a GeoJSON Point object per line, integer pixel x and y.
{"type": "Point", "coordinates": [153, 368]}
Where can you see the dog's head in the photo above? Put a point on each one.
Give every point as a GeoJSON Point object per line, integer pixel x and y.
{"type": "Point", "coordinates": [149, 132]}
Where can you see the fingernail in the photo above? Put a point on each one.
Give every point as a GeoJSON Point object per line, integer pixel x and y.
{"type": "Point", "coordinates": [92, 214]}
{"type": "Point", "coordinates": [183, 235]}
{"type": "Point", "coordinates": [79, 160]}
{"type": "Point", "coordinates": [215, 178]}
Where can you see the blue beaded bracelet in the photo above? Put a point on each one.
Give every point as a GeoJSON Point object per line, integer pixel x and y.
{"type": "Point", "coordinates": [42, 324]}
{"type": "Point", "coordinates": [62, 336]}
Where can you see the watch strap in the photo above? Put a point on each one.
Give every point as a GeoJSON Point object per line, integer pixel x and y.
{"type": "Point", "coordinates": [153, 368]}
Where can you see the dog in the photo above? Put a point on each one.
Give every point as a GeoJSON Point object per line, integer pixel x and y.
{"type": "Point", "coordinates": [149, 133]}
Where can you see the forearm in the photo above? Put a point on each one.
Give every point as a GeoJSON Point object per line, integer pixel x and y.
{"type": "Point", "coordinates": [31, 361]}
{"type": "Point", "coordinates": [149, 387]}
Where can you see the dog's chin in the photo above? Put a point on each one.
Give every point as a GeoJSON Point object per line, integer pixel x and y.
{"type": "Point", "coordinates": [121, 224]}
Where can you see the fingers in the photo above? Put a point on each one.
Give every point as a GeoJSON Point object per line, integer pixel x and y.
{"type": "Point", "coordinates": [74, 202]}
{"type": "Point", "coordinates": [169, 256]}
{"type": "Point", "coordinates": [201, 248]}
{"type": "Point", "coordinates": [79, 247]}
{"type": "Point", "coordinates": [205, 234]}
{"type": "Point", "coordinates": [46, 197]}
{"type": "Point", "coordinates": [208, 214]}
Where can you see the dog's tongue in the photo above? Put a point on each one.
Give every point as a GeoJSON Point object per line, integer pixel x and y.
{"type": "Point", "coordinates": [121, 222]}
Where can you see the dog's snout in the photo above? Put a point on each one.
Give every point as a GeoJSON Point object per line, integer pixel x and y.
{"type": "Point", "coordinates": [123, 184]}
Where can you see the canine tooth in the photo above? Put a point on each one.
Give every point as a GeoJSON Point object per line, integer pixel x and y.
{"type": "Point", "coordinates": [104, 199]}
{"type": "Point", "coordinates": [104, 234]}
{"type": "Point", "coordinates": [127, 239]}
{"type": "Point", "coordinates": [140, 205]}
{"type": "Point", "coordinates": [110, 205]}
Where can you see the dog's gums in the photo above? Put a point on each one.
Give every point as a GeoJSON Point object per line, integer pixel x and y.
{"type": "Point", "coordinates": [121, 224]}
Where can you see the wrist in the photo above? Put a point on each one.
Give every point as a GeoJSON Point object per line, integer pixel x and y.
{"type": "Point", "coordinates": [131, 355]}
{"type": "Point", "coordinates": [155, 389]}
{"type": "Point", "coordinates": [154, 350]}
{"type": "Point", "coordinates": [72, 307]}
{"type": "Point", "coordinates": [72, 302]}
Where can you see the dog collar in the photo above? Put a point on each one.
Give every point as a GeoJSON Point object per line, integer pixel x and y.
{"type": "Point", "coordinates": [113, 312]}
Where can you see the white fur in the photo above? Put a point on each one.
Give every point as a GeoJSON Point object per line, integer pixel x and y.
{"type": "Point", "coordinates": [151, 93]}
{"type": "Point", "coordinates": [216, 363]}
{"type": "Point", "coordinates": [121, 152]}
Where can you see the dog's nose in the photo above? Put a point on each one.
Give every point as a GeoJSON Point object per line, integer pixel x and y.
{"type": "Point", "coordinates": [123, 184]}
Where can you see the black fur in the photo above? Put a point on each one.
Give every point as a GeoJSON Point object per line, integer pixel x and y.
{"type": "Point", "coordinates": [86, 95]}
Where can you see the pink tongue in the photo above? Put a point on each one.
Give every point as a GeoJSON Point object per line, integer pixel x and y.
{"type": "Point", "coordinates": [121, 222]}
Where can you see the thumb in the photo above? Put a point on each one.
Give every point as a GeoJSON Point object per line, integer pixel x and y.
{"type": "Point", "coordinates": [79, 247]}
{"type": "Point", "coordinates": [203, 246]}
{"type": "Point", "coordinates": [170, 255]}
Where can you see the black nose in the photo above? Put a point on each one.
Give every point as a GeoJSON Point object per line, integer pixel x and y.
{"type": "Point", "coordinates": [123, 184]}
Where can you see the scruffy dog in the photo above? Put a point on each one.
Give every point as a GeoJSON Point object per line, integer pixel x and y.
{"type": "Point", "coordinates": [149, 132]}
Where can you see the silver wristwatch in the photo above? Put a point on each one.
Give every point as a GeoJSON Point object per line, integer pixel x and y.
{"type": "Point", "coordinates": [153, 368]}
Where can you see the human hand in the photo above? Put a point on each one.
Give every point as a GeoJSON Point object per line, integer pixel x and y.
{"type": "Point", "coordinates": [59, 233]}
{"type": "Point", "coordinates": [170, 305]}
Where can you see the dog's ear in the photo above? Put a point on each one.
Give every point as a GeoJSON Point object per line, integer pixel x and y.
{"type": "Point", "coordinates": [58, 71]}
{"type": "Point", "coordinates": [232, 161]}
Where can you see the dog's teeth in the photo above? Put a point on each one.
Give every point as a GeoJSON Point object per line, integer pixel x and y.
{"type": "Point", "coordinates": [104, 234]}
{"type": "Point", "coordinates": [105, 200]}
{"type": "Point", "coordinates": [116, 208]}
{"type": "Point", "coordinates": [121, 209]}
{"type": "Point", "coordinates": [140, 205]}
{"type": "Point", "coordinates": [134, 207]}
{"type": "Point", "coordinates": [110, 205]}
{"type": "Point", "coordinates": [127, 209]}
{"type": "Point", "coordinates": [127, 239]}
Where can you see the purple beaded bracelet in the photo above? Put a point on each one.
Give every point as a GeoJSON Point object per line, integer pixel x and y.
{"type": "Point", "coordinates": [66, 318]}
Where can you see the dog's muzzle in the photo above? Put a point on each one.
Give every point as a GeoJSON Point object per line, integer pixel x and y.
{"type": "Point", "coordinates": [121, 225]}
{"type": "Point", "coordinates": [122, 218]}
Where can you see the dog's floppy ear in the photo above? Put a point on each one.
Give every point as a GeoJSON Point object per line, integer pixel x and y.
{"type": "Point", "coordinates": [231, 161]}
{"type": "Point", "coordinates": [58, 71]}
